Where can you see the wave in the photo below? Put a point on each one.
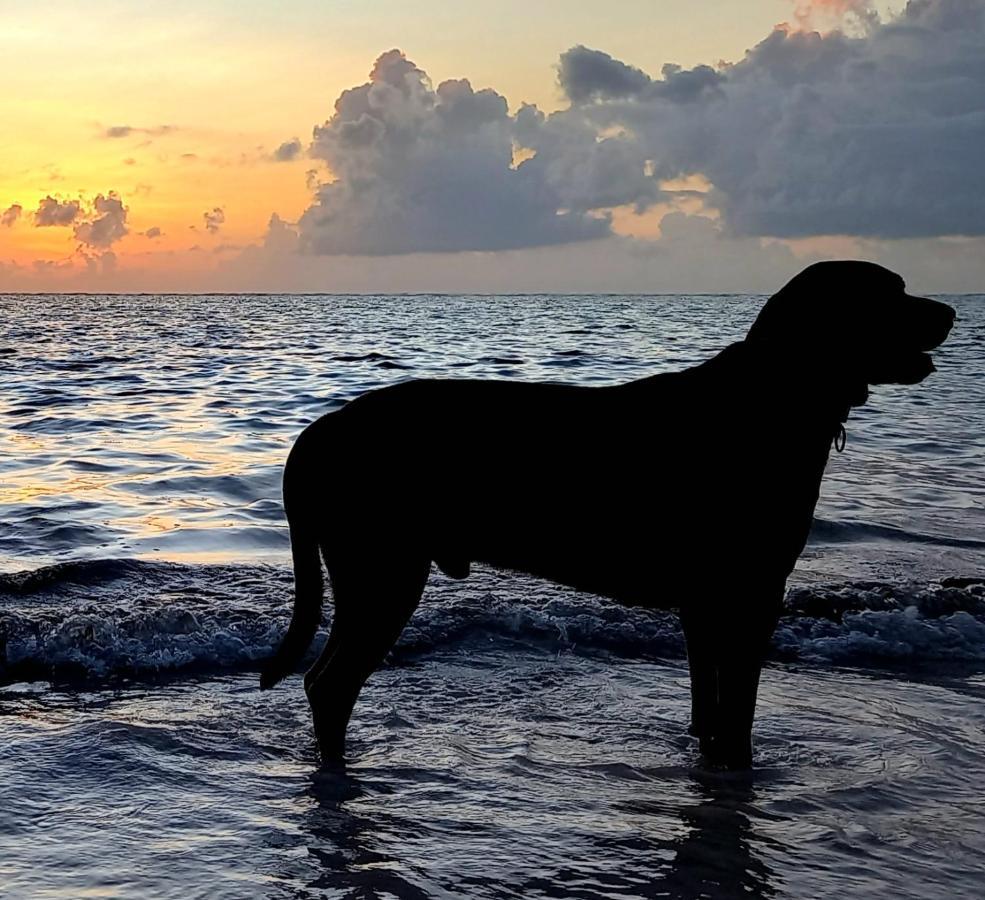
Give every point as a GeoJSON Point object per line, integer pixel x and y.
{"type": "Point", "coordinates": [112, 618]}
{"type": "Point", "coordinates": [829, 531]}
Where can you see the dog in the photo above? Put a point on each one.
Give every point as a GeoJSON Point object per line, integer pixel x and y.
{"type": "Point", "coordinates": [692, 490]}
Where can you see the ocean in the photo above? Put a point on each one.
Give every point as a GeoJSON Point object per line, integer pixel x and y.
{"type": "Point", "coordinates": [524, 740]}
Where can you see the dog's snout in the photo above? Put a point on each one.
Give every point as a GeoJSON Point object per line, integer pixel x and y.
{"type": "Point", "coordinates": [930, 321]}
{"type": "Point", "coordinates": [948, 315]}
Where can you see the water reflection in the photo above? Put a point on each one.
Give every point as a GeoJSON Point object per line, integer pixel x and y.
{"type": "Point", "coordinates": [716, 858]}
{"type": "Point", "coordinates": [357, 847]}
{"type": "Point", "coordinates": [344, 843]}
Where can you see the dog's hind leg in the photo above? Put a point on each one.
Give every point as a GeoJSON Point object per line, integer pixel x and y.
{"type": "Point", "coordinates": [373, 601]}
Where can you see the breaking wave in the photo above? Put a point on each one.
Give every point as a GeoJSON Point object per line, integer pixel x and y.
{"type": "Point", "coordinates": [114, 618]}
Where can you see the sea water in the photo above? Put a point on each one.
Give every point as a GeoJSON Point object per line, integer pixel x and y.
{"type": "Point", "coordinates": [524, 740]}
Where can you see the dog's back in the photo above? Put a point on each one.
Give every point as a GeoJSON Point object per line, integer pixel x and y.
{"type": "Point", "coordinates": [612, 489]}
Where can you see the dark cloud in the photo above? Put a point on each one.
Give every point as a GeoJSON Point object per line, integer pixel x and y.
{"type": "Point", "coordinates": [585, 75]}
{"type": "Point", "coordinates": [11, 214]}
{"type": "Point", "coordinates": [424, 169]}
{"type": "Point", "coordinates": [107, 224]}
{"type": "Point", "coordinates": [214, 220]}
{"type": "Point", "coordinates": [288, 151]}
{"type": "Point", "coordinates": [590, 75]}
{"type": "Point", "coordinates": [122, 131]}
{"type": "Point", "coordinates": [875, 133]}
{"type": "Point", "coordinates": [681, 85]}
{"type": "Point", "coordinates": [52, 212]}
{"type": "Point", "coordinates": [152, 233]}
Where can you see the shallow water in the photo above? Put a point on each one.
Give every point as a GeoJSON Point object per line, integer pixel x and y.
{"type": "Point", "coordinates": [495, 771]}
{"type": "Point", "coordinates": [525, 740]}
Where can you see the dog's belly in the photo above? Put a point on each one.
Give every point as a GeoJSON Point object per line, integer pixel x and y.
{"type": "Point", "coordinates": [655, 545]}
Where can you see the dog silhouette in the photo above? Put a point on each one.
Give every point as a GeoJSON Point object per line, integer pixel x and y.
{"type": "Point", "coordinates": [692, 490]}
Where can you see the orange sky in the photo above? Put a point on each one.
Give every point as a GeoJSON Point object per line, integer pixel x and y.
{"type": "Point", "coordinates": [212, 88]}
{"type": "Point", "coordinates": [178, 110]}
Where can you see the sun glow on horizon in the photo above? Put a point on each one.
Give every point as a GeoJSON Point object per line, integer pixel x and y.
{"type": "Point", "coordinates": [197, 127]}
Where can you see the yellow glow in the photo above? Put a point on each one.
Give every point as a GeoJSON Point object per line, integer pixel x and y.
{"type": "Point", "coordinates": [209, 91]}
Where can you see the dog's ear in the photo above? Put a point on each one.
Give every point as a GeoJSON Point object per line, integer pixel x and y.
{"type": "Point", "coordinates": [836, 302]}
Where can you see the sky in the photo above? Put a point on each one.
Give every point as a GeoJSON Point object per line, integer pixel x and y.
{"type": "Point", "coordinates": [639, 146]}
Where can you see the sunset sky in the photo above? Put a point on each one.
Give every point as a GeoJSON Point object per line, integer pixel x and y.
{"type": "Point", "coordinates": [211, 145]}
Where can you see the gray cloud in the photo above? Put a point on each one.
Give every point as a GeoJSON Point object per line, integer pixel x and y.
{"type": "Point", "coordinates": [424, 169]}
{"type": "Point", "coordinates": [122, 131]}
{"type": "Point", "coordinates": [153, 232]}
{"type": "Point", "coordinates": [288, 151]}
{"type": "Point", "coordinates": [52, 212]}
{"type": "Point", "coordinates": [107, 225]}
{"type": "Point", "coordinates": [11, 214]}
{"type": "Point", "coordinates": [873, 132]}
{"type": "Point", "coordinates": [585, 74]}
{"type": "Point", "coordinates": [877, 133]}
{"type": "Point", "coordinates": [214, 220]}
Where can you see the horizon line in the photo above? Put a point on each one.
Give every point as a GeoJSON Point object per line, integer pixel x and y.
{"type": "Point", "coordinates": [421, 293]}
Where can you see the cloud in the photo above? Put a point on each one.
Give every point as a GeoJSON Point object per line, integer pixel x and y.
{"type": "Point", "coordinates": [816, 14]}
{"type": "Point", "coordinates": [214, 220]}
{"type": "Point", "coordinates": [11, 214]}
{"type": "Point", "coordinates": [153, 232]}
{"type": "Point", "coordinates": [52, 212]}
{"type": "Point", "coordinates": [871, 129]}
{"type": "Point", "coordinates": [585, 75]}
{"type": "Point", "coordinates": [874, 133]}
{"type": "Point", "coordinates": [107, 225]}
{"type": "Point", "coordinates": [288, 151]}
{"type": "Point", "coordinates": [418, 168]}
{"type": "Point", "coordinates": [122, 131]}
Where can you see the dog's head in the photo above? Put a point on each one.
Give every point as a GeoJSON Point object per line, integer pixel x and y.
{"type": "Point", "coordinates": [858, 315]}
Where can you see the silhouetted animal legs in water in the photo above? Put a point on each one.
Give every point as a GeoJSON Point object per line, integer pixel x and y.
{"type": "Point", "coordinates": [725, 652]}
{"type": "Point", "coordinates": [373, 601]}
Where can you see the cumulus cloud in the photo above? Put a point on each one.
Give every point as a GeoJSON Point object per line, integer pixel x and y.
{"type": "Point", "coordinates": [874, 132]}
{"type": "Point", "coordinates": [107, 224]}
{"type": "Point", "coordinates": [288, 151]}
{"type": "Point", "coordinates": [870, 129]}
{"type": "Point", "coordinates": [586, 75]}
{"type": "Point", "coordinates": [817, 14]}
{"type": "Point", "coordinates": [52, 212]}
{"type": "Point", "coordinates": [419, 168]}
{"type": "Point", "coordinates": [214, 220]}
{"type": "Point", "coordinates": [11, 214]}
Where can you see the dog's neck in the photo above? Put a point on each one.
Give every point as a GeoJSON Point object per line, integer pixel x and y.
{"type": "Point", "coordinates": [818, 390]}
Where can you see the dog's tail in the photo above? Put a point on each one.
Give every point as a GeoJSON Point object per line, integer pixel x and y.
{"type": "Point", "coordinates": [308, 587]}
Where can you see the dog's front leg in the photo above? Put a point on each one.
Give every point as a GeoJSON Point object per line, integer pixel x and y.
{"type": "Point", "coordinates": [746, 629]}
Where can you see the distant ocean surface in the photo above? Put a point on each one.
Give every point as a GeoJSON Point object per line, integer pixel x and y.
{"type": "Point", "coordinates": [525, 740]}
